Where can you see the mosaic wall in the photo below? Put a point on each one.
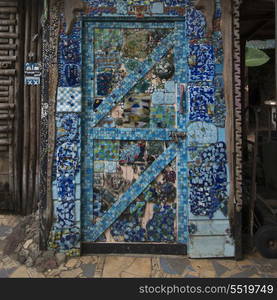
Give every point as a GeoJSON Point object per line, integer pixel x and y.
{"type": "Point", "coordinates": [149, 79]}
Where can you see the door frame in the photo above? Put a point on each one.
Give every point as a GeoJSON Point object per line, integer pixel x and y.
{"type": "Point", "coordinates": [176, 248]}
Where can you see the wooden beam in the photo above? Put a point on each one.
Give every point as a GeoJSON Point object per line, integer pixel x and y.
{"type": "Point", "coordinates": [5, 129]}
{"type": "Point", "coordinates": [9, 4]}
{"type": "Point", "coordinates": [4, 94]}
{"type": "Point", "coordinates": [5, 142]}
{"type": "Point", "coordinates": [8, 35]}
{"type": "Point", "coordinates": [4, 88]}
{"type": "Point", "coordinates": [7, 22]}
{"type": "Point", "coordinates": [8, 10]}
{"type": "Point", "coordinates": [6, 116]}
{"type": "Point", "coordinates": [4, 41]}
{"type": "Point", "coordinates": [5, 82]}
{"type": "Point", "coordinates": [7, 58]}
{"type": "Point", "coordinates": [8, 47]}
{"type": "Point", "coordinates": [4, 28]}
{"type": "Point", "coordinates": [9, 72]}
{"type": "Point", "coordinates": [7, 106]}
{"type": "Point", "coordinates": [26, 114]}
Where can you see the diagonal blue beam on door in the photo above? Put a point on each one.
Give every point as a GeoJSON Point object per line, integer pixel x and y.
{"type": "Point", "coordinates": [133, 192]}
{"type": "Point", "coordinates": [132, 79]}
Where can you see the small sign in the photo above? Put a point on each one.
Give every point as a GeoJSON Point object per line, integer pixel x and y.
{"type": "Point", "coordinates": [32, 73]}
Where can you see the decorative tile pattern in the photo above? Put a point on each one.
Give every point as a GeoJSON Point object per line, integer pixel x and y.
{"type": "Point", "coordinates": [106, 150]}
{"type": "Point", "coordinates": [136, 189]}
{"type": "Point", "coordinates": [69, 99]}
{"type": "Point", "coordinates": [65, 235]}
{"type": "Point", "coordinates": [201, 133]}
{"type": "Point", "coordinates": [195, 24]}
{"type": "Point", "coordinates": [162, 116]}
{"type": "Point", "coordinates": [69, 58]}
{"type": "Point", "coordinates": [132, 142]}
{"type": "Point", "coordinates": [201, 103]}
{"type": "Point", "coordinates": [208, 181]}
{"type": "Point", "coordinates": [201, 62]}
{"type": "Point", "coordinates": [130, 80]}
{"type": "Point", "coordinates": [67, 167]}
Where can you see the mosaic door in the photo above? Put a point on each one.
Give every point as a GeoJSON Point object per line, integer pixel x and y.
{"type": "Point", "coordinates": [134, 146]}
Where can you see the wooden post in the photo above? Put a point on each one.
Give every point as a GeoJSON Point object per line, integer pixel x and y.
{"type": "Point", "coordinates": [19, 111]}
{"type": "Point", "coordinates": [33, 125]}
{"type": "Point", "coordinates": [38, 108]}
{"type": "Point", "coordinates": [26, 109]}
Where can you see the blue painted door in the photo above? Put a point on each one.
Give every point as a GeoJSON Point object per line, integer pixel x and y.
{"type": "Point", "coordinates": [134, 127]}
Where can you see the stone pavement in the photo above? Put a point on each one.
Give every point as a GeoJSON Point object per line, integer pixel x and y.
{"type": "Point", "coordinates": [136, 266]}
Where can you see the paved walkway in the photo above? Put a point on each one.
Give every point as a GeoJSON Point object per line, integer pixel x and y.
{"type": "Point", "coordinates": [137, 266]}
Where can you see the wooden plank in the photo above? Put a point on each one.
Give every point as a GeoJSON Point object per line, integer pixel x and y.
{"type": "Point", "coordinates": [4, 28]}
{"type": "Point", "coordinates": [7, 47]}
{"type": "Point", "coordinates": [4, 16]}
{"type": "Point", "coordinates": [5, 129]}
{"type": "Point", "coordinates": [8, 35]}
{"type": "Point", "coordinates": [4, 94]}
{"type": "Point", "coordinates": [8, 10]}
{"type": "Point", "coordinates": [11, 100]}
{"type": "Point", "coordinates": [33, 125]}
{"type": "Point", "coordinates": [4, 52]}
{"type": "Point", "coordinates": [4, 88]}
{"type": "Point", "coordinates": [26, 114]}
{"type": "Point", "coordinates": [5, 64]}
{"type": "Point", "coordinates": [9, 72]}
{"type": "Point", "coordinates": [4, 41]}
{"type": "Point", "coordinates": [4, 99]}
{"type": "Point", "coordinates": [38, 113]}
{"type": "Point", "coordinates": [18, 100]}
{"type": "Point", "coordinates": [7, 106]}
{"type": "Point", "coordinates": [5, 142]}
{"type": "Point", "coordinates": [6, 117]}
{"type": "Point", "coordinates": [5, 82]}
{"type": "Point", "coordinates": [7, 58]}
{"type": "Point", "coordinates": [7, 22]}
{"type": "Point", "coordinates": [8, 4]}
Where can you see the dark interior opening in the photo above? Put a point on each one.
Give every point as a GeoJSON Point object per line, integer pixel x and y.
{"type": "Point", "coordinates": [259, 120]}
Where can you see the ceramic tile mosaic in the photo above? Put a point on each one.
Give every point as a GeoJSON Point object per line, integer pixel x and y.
{"type": "Point", "coordinates": [195, 24]}
{"type": "Point", "coordinates": [130, 81]}
{"type": "Point", "coordinates": [162, 116]}
{"type": "Point", "coordinates": [201, 133]}
{"type": "Point", "coordinates": [69, 99]}
{"type": "Point", "coordinates": [67, 167]}
{"type": "Point", "coordinates": [69, 58]}
{"type": "Point", "coordinates": [154, 134]}
{"type": "Point", "coordinates": [142, 82]}
{"type": "Point", "coordinates": [135, 190]}
{"type": "Point", "coordinates": [65, 234]}
{"type": "Point", "coordinates": [201, 62]}
{"type": "Point", "coordinates": [208, 181]}
{"type": "Point", "coordinates": [201, 103]}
